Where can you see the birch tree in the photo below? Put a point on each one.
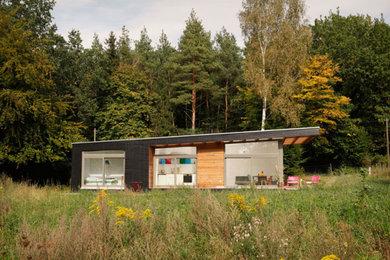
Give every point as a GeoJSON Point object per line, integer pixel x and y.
{"type": "Point", "coordinates": [277, 40]}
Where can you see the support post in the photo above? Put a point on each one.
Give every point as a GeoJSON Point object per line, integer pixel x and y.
{"type": "Point", "coordinates": [94, 134]}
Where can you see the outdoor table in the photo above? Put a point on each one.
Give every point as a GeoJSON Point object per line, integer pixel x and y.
{"type": "Point", "coordinates": [260, 180]}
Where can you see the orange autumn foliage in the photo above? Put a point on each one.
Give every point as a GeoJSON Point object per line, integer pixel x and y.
{"type": "Point", "coordinates": [323, 106]}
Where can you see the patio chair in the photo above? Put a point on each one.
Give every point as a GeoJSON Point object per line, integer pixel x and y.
{"type": "Point", "coordinates": [294, 180]}
{"type": "Point", "coordinates": [313, 180]}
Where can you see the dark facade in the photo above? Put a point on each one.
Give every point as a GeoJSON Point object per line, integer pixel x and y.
{"type": "Point", "coordinates": [137, 151]}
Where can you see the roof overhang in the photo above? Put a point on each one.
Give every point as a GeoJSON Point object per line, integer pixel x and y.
{"type": "Point", "coordinates": [297, 140]}
{"type": "Point", "coordinates": [289, 136]}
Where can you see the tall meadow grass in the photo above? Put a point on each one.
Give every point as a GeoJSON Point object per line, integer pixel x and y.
{"type": "Point", "coordinates": [310, 223]}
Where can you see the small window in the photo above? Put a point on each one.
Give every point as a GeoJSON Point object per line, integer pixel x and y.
{"type": "Point", "coordinates": [103, 170]}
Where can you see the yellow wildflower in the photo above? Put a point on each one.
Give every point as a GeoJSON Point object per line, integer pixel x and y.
{"type": "Point", "coordinates": [330, 257]}
{"type": "Point", "coordinates": [101, 199]}
{"type": "Point", "coordinates": [237, 201]}
{"type": "Point", "coordinates": [147, 214]}
{"type": "Point", "coordinates": [261, 201]}
{"type": "Point", "coordinates": [123, 213]}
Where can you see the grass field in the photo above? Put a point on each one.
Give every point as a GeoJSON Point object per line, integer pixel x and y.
{"type": "Point", "coordinates": [347, 216]}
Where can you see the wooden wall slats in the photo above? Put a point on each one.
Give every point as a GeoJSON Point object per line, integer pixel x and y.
{"type": "Point", "coordinates": [211, 165]}
{"type": "Point", "coordinates": [297, 140]}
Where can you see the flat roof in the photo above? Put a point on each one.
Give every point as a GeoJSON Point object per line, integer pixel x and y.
{"type": "Point", "coordinates": [290, 135]}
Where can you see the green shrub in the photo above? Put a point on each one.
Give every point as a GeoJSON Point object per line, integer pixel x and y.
{"type": "Point", "coordinates": [292, 159]}
{"type": "Point", "coordinates": [346, 170]}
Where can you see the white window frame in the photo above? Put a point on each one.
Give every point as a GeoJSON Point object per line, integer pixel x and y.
{"type": "Point", "coordinates": [171, 153]}
{"type": "Point", "coordinates": [103, 154]}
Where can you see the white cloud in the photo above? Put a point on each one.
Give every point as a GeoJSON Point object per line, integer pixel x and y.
{"type": "Point", "coordinates": [373, 8]}
{"type": "Point", "coordinates": [101, 17]}
{"type": "Point", "coordinates": [171, 15]}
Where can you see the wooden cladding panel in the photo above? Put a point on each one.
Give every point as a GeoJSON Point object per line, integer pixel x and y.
{"type": "Point", "coordinates": [210, 165]}
{"type": "Point", "coordinates": [297, 140]}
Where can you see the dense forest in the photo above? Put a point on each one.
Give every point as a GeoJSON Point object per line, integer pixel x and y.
{"type": "Point", "coordinates": [53, 91]}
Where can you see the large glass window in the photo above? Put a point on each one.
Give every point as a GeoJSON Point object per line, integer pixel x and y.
{"type": "Point", "coordinates": [175, 166]}
{"type": "Point", "coordinates": [93, 171]}
{"type": "Point", "coordinates": [103, 169]}
{"type": "Point", "coordinates": [243, 161]}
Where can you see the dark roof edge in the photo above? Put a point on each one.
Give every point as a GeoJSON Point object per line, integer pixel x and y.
{"type": "Point", "coordinates": [205, 135]}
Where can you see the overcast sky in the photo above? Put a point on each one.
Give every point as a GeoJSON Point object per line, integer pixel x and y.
{"type": "Point", "coordinates": [102, 16]}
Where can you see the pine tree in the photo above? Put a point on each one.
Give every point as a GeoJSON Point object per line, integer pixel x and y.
{"type": "Point", "coordinates": [126, 54]}
{"type": "Point", "coordinates": [229, 67]}
{"type": "Point", "coordinates": [146, 54]}
{"type": "Point", "coordinates": [112, 53]}
{"type": "Point", "coordinates": [195, 59]}
{"type": "Point", "coordinates": [92, 94]}
{"type": "Point", "coordinates": [164, 121]}
{"type": "Point", "coordinates": [73, 67]}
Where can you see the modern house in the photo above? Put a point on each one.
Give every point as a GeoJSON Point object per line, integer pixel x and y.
{"type": "Point", "coordinates": [219, 160]}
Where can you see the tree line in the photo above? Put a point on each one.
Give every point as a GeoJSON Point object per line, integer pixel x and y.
{"type": "Point", "coordinates": [333, 74]}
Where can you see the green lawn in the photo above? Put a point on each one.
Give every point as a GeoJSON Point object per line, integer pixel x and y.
{"type": "Point", "coordinates": [344, 216]}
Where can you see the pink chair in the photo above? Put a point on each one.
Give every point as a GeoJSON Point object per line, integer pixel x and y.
{"type": "Point", "coordinates": [314, 180]}
{"type": "Point", "coordinates": [292, 180]}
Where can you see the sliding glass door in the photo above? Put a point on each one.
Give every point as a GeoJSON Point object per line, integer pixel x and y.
{"type": "Point", "coordinates": [103, 170]}
{"type": "Point", "coordinates": [243, 161]}
{"type": "Point", "coordinates": [236, 167]}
